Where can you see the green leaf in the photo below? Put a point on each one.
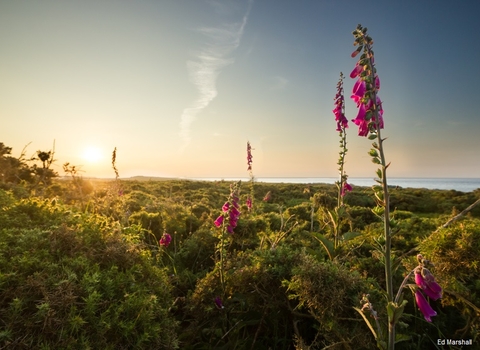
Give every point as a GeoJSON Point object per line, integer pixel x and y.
{"type": "Point", "coordinates": [378, 211]}
{"type": "Point", "coordinates": [379, 173]}
{"type": "Point", "coordinates": [340, 212]}
{"type": "Point", "coordinates": [367, 321]}
{"type": "Point", "coordinates": [350, 235]}
{"type": "Point", "coordinates": [326, 243]}
{"type": "Point", "coordinates": [401, 337]}
{"type": "Point", "coordinates": [395, 311]}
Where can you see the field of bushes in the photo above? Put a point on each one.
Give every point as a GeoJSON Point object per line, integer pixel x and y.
{"type": "Point", "coordinates": [81, 266]}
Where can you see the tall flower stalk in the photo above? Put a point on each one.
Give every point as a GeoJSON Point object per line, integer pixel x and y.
{"type": "Point", "coordinates": [370, 122]}
{"type": "Point", "coordinates": [342, 185]}
{"type": "Point", "coordinates": [227, 221]}
{"type": "Point", "coordinates": [250, 172]}
{"type": "Point", "coordinates": [333, 219]}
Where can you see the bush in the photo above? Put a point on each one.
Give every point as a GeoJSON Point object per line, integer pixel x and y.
{"type": "Point", "coordinates": [80, 284]}
{"type": "Point", "coordinates": [328, 292]}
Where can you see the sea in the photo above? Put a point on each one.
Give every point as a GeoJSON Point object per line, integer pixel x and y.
{"type": "Point", "coordinates": [457, 184]}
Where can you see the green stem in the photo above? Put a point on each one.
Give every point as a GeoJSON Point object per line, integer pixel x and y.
{"type": "Point", "coordinates": [173, 262]}
{"type": "Point", "coordinates": [341, 163]}
{"type": "Point", "coordinates": [386, 205]}
{"type": "Point", "coordinates": [222, 252]}
{"type": "Point", "coordinates": [405, 280]}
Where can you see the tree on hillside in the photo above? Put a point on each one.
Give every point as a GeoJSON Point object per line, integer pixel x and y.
{"type": "Point", "coordinates": [13, 170]}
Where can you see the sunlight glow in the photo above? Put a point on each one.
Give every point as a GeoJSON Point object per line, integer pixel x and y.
{"type": "Point", "coordinates": [92, 154]}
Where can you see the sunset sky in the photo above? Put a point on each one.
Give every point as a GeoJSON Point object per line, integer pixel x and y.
{"type": "Point", "coordinates": [179, 87]}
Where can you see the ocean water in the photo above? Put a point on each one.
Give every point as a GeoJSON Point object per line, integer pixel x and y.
{"type": "Point", "coordinates": [458, 184]}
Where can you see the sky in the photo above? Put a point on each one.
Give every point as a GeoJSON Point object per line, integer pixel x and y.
{"type": "Point", "coordinates": [179, 87]}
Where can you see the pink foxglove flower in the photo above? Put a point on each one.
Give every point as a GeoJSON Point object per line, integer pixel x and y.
{"type": "Point", "coordinates": [345, 188]}
{"type": "Point", "coordinates": [339, 110]}
{"type": "Point", "coordinates": [425, 280]}
{"type": "Point", "coordinates": [225, 207]}
{"type": "Point", "coordinates": [365, 89]}
{"type": "Point", "coordinates": [424, 306]}
{"type": "Point", "coordinates": [165, 240]}
{"type": "Point", "coordinates": [358, 91]}
{"type": "Point", "coordinates": [356, 71]}
{"type": "Point", "coordinates": [249, 156]}
{"type": "Point", "coordinates": [219, 303]}
{"type": "Point", "coordinates": [219, 221]}
{"type": "Point", "coordinates": [230, 210]}
{"type": "Point", "coordinates": [249, 203]}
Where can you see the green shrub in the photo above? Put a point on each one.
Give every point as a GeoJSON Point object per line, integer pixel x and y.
{"type": "Point", "coordinates": [82, 283]}
{"type": "Point", "coordinates": [454, 251]}
{"type": "Point", "coordinates": [327, 292]}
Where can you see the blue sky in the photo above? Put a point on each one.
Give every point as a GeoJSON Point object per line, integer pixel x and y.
{"type": "Point", "coordinates": [179, 87]}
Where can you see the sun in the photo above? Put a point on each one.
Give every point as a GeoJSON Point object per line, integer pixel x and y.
{"type": "Point", "coordinates": [92, 154]}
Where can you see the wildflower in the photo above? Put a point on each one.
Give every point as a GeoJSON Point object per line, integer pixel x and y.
{"type": "Point", "coordinates": [249, 156]}
{"type": "Point", "coordinates": [230, 210]}
{"type": "Point", "coordinates": [358, 91]}
{"type": "Point", "coordinates": [267, 197]}
{"type": "Point", "coordinates": [219, 221]}
{"type": "Point", "coordinates": [424, 306]}
{"type": "Point", "coordinates": [219, 303]}
{"type": "Point", "coordinates": [225, 207]}
{"type": "Point", "coordinates": [339, 110]}
{"type": "Point", "coordinates": [425, 280]}
{"type": "Point", "coordinates": [165, 240]}
{"type": "Point", "coordinates": [365, 89]}
{"type": "Point", "coordinates": [234, 215]}
{"type": "Point", "coordinates": [345, 188]}
{"type": "Point", "coordinates": [356, 71]}
{"type": "Point", "coordinates": [249, 203]}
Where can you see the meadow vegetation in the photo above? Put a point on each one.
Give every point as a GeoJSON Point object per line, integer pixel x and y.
{"type": "Point", "coordinates": [81, 265]}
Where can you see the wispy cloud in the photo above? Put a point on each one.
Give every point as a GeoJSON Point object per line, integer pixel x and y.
{"type": "Point", "coordinates": [204, 70]}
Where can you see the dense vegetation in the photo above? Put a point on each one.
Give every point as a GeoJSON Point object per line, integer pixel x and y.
{"type": "Point", "coordinates": [81, 265]}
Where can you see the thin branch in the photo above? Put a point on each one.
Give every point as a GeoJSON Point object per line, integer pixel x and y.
{"type": "Point", "coordinates": [456, 217]}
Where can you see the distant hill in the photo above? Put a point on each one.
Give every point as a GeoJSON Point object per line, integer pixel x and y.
{"type": "Point", "coordinates": [150, 178]}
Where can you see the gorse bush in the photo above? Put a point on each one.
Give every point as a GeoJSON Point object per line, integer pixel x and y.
{"type": "Point", "coordinates": [78, 281]}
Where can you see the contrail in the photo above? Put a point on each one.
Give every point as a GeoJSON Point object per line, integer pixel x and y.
{"type": "Point", "coordinates": [203, 72]}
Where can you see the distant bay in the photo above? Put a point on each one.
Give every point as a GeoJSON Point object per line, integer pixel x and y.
{"type": "Point", "coordinates": [457, 184]}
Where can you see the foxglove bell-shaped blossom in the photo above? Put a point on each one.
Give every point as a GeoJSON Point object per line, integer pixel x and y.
{"type": "Point", "coordinates": [342, 121]}
{"type": "Point", "coordinates": [377, 82]}
{"type": "Point", "coordinates": [358, 91]}
{"type": "Point", "coordinates": [424, 306]}
{"type": "Point", "coordinates": [165, 240]}
{"type": "Point", "coordinates": [218, 303]}
{"type": "Point", "coordinates": [219, 221]}
{"type": "Point", "coordinates": [225, 207]}
{"type": "Point", "coordinates": [356, 71]}
{"type": "Point", "coordinates": [345, 188]}
{"type": "Point", "coordinates": [425, 280]}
